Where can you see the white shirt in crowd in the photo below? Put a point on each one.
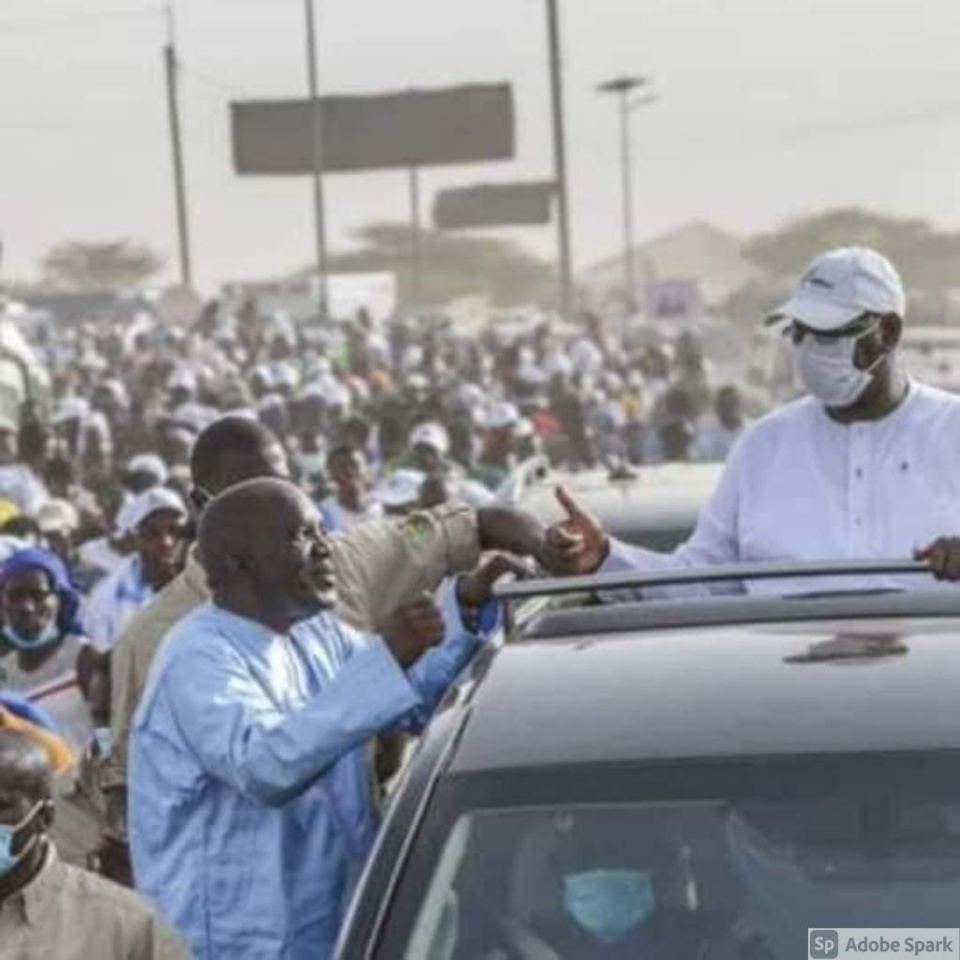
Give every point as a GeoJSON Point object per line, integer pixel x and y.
{"type": "Point", "coordinates": [20, 484]}
{"type": "Point", "coordinates": [55, 687]}
{"type": "Point", "coordinates": [800, 486]}
{"type": "Point", "coordinates": [115, 601]}
{"type": "Point", "coordinates": [339, 519]}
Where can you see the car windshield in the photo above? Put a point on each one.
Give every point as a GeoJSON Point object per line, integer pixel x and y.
{"type": "Point", "coordinates": [739, 877]}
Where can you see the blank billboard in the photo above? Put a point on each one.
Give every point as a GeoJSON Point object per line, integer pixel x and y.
{"type": "Point", "coordinates": [494, 205]}
{"type": "Point", "coordinates": [417, 128]}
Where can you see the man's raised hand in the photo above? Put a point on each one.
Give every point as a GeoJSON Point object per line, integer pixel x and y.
{"type": "Point", "coordinates": [412, 630]}
{"type": "Point", "coordinates": [577, 544]}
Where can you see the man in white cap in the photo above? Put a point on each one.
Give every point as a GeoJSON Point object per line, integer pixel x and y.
{"type": "Point", "coordinates": [18, 483]}
{"type": "Point", "coordinates": [863, 467]}
{"type": "Point", "coordinates": [497, 459]}
{"type": "Point", "coordinates": [157, 521]}
{"type": "Point", "coordinates": [144, 471]}
{"type": "Point", "coordinates": [350, 503]}
{"type": "Point", "coordinates": [430, 453]}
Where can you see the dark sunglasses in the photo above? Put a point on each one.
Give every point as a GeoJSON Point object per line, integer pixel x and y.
{"type": "Point", "coordinates": [797, 332]}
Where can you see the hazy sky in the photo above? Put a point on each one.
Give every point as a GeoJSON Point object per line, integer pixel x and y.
{"type": "Point", "coordinates": [767, 109]}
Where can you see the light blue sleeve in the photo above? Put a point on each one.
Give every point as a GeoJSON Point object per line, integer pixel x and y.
{"type": "Point", "coordinates": [436, 670]}
{"type": "Point", "coordinates": [240, 736]}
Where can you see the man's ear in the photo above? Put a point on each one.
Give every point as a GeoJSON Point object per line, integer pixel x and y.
{"type": "Point", "coordinates": [198, 500]}
{"type": "Point", "coordinates": [891, 330]}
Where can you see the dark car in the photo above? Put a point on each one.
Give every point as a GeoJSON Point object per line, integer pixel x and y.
{"type": "Point", "coordinates": [707, 779]}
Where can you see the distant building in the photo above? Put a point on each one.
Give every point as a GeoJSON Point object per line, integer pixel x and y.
{"type": "Point", "coordinates": [698, 254]}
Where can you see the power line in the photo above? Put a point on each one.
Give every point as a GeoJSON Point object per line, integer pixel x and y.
{"type": "Point", "coordinates": [207, 80]}
{"type": "Point", "coordinates": [763, 139]}
{"type": "Point", "coordinates": [73, 20]}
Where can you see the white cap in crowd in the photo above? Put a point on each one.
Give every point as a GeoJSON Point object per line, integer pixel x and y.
{"type": "Point", "coordinates": [71, 408]}
{"type": "Point", "coordinates": [400, 489]}
{"type": "Point", "coordinates": [842, 285]}
{"type": "Point", "coordinates": [140, 508]}
{"type": "Point", "coordinates": [183, 378]}
{"type": "Point", "coordinates": [58, 516]}
{"type": "Point", "coordinates": [501, 415]}
{"type": "Point", "coordinates": [195, 417]}
{"type": "Point", "coordinates": [432, 435]}
{"type": "Point", "coordinates": [150, 464]}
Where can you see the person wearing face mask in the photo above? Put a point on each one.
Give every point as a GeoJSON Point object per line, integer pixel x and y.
{"type": "Point", "coordinates": [49, 909]}
{"type": "Point", "coordinates": [862, 467]}
{"type": "Point", "coordinates": [43, 651]}
{"type": "Point", "coordinates": [605, 890]}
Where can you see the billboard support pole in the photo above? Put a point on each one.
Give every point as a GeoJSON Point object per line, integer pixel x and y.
{"type": "Point", "coordinates": [560, 160]}
{"type": "Point", "coordinates": [171, 66]}
{"type": "Point", "coordinates": [316, 146]}
{"type": "Point", "coordinates": [416, 258]}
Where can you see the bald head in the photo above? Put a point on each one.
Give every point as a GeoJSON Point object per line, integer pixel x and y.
{"type": "Point", "coordinates": [265, 553]}
{"type": "Point", "coordinates": [25, 772]}
{"type": "Point", "coordinates": [234, 449]}
{"type": "Point", "coordinates": [243, 519]}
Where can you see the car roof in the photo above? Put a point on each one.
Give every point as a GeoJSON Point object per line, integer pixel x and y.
{"type": "Point", "coordinates": [711, 692]}
{"type": "Point", "coordinates": [662, 497]}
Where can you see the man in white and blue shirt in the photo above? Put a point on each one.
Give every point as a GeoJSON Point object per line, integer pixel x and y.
{"type": "Point", "coordinates": [250, 797]}
{"type": "Point", "coordinates": [156, 519]}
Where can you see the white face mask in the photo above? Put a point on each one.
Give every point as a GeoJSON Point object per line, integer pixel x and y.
{"type": "Point", "coordinates": [828, 371]}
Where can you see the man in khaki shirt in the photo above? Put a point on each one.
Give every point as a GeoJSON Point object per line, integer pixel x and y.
{"type": "Point", "coordinates": [48, 909]}
{"type": "Point", "coordinates": [379, 566]}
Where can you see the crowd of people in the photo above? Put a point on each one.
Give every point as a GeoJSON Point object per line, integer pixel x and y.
{"type": "Point", "coordinates": [246, 560]}
{"type": "Point", "coordinates": [401, 437]}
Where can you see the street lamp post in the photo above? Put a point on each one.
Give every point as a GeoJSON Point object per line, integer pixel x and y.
{"type": "Point", "coordinates": [316, 147]}
{"type": "Point", "coordinates": [623, 87]}
{"type": "Point", "coordinates": [560, 159]}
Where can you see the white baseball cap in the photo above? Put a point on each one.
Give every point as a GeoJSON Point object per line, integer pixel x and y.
{"type": "Point", "coordinates": [71, 408]}
{"type": "Point", "coordinates": [183, 378]}
{"type": "Point", "coordinates": [840, 286]}
{"type": "Point", "coordinates": [57, 516]}
{"type": "Point", "coordinates": [501, 415]}
{"type": "Point", "coordinates": [151, 464]}
{"type": "Point", "coordinates": [400, 489]}
{"type": "Point", "coordinates": [431, 435]}
{"type": "Point", "coordinates": [133, 513]}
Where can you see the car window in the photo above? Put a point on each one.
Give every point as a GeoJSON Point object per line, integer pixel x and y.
{"type": "Point", "coordinates": [699, 879]}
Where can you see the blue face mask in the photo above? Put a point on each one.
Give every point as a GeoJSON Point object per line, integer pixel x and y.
{"type": "Point", "coordinates": [50, 634]}
{"type": "Point", "coordinates": [608, 904]}
{"type": "Point", "coordinates": [103, 737]}
{"type": "Point", "coordinates": [8, 860]}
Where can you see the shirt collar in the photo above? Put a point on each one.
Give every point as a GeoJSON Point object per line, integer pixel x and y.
{"type": "Point", "coordinates": [900, 410]}
{"type": "Point", "coordinates": [38, 896]}
{"type": "Point", "coordinates": [194, 575]}
{"type": "Point", "coordinates": [132, 585]}
{"type": "Point", "coordinates": [250, 633]}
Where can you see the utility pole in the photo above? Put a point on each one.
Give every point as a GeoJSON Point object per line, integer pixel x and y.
{"type": "Point", "coordinates": [316, 146]}
{"type": "Point", "coordinates": [416, 251]}
{"type": "Point", "coordinates": [171, 67]}
{"type": "Point", "coordinates": [623, 87]}
{"type": "Point", "coordinates": [560, 160]}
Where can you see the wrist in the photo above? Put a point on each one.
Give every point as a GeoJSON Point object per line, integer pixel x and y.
{"type": "Point", "coordinates": [603, 555]}
{"type": "Point", "coordinates": [467, 606]}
